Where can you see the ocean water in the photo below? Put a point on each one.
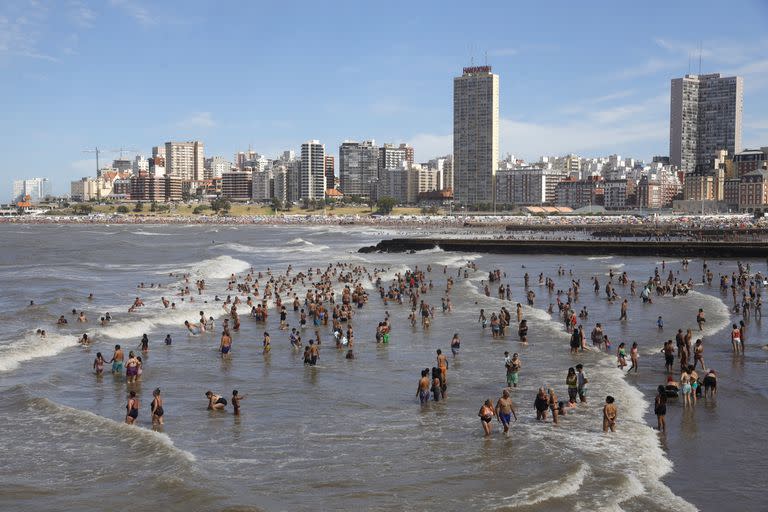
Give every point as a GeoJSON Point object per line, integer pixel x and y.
{"type": "Point", "coordinates": [349, 435]}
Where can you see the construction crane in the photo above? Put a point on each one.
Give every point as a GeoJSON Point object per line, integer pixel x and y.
{"type": "Point", "coordinates": [122, 150]}
{"type": "Point", "coordinates": [98, 152]}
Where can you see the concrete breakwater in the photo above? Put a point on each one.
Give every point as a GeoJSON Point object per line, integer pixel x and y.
{"type": "Point", "coordinates": [712, 249]}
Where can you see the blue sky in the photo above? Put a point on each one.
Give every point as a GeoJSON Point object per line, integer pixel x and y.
{"type": "Point", "coordinates": [584, 77]}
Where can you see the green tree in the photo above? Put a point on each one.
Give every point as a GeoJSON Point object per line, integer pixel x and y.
{"type": "Point", "coordinates": [82, 209]}
{"type": "Point", "coordinates": [153, 206]}
{"type": "Point", "coordinates": [200, 209]}
{"type": "Point", "coordinates": [221, 204]}
{"type": "Point", "coordinates": [277, 204]}
{"type": "Point", "coordinates": [139, 207]}
{"type": "Point", "coordinates": [122, 209]}
{"type": "Point", "coordinates": [386, 204]}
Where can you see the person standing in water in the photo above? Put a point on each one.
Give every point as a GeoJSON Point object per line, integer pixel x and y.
{"type": "Point", "coordinates": [633, 357]}
{"type": "Point", "coordinates": [225, 345]}
{"type": "Point", "coordinates": [98, 364]}
{"type": "Point", "coordinates": [157, 408]}
{"type": "Point", "coordinates": [236, 397]}
{"type": "Point", "coordinates": [131, 408]}
{"type": "Point", "coordinates": [609, 414]}
{"type": "Point", "coordinates": [660, 409]}
{"type": "Point", "coordinates": [505, 410]}
{"type": "Point", "coordinates": [422, 391]}
{"type": "Point", "coordinates": [455, 344]}
{"type": "Point", "coordinates": [486, 415]}
{"type": "Point", "coordinates": [117, 360]}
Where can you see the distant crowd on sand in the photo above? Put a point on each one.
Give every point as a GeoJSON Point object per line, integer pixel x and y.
{"type": "Point", "coordinates": [724, 222]}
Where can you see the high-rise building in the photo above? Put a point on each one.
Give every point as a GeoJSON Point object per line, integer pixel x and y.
{"type": "Point", "coordinates": [330, 171]}
{"type": "Point", "coordinates": [216, 166]}
{"type": "Point", "coordinates": [36, 188]}
{"type": "Point", "coordinates": [705, 116]}
{"type": "Point", "coordinates": [312, 171]}
{"type": "Point", "coordinates": [475, 135]}
{"type": "Point", "coordinates": [393, 157]}
{"type": "Point", "coordinates": [185, 160]}
{"type": "Point", "coordinates": [358, 167]}
{"type": "Point", "coordinates": [139, 165]}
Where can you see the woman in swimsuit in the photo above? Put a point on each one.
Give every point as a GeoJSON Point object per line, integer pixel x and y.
{"type": "Point", "coordinates": [633, 357]}
{"type": "Point", "coordinates": [157, 408]}
{"type": "Point", "coordinates": [131, 408]}
{"type": "Point", "coordinates": [98, 364]}
{"type": "Point", "coordinates": [541, 404]}
{"type": "Point", "coordinates": [131, 368]}
{"type": "Point", "coordinates": [685, 386]}
{"type": "Point", "coordinates": [486, 415]}
{"type": "Point", "coordinates": [215, 402]}
{"type": "Point", "coordinates": [660, 408]}
{"type": "Point", "coordinates": [621, 355]}
{"type": "Point", "coordinates": [552, 402]}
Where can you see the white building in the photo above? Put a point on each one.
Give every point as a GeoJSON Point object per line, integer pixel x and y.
{"type": "Point", "coordinates": [36, 188]}
{"type": "Point", "coordinates": [216, 166]}
{"type": "Point", "coordinates": [475, 135]}
{"type": "Point", "coordinates": [185, 160]}
{"type": "Point", "coordinates": [705, 116]}
{"type": "Point", "coordinates": [312, 171]}
{"type": "Point", "coordinates": [262, 185]}
{"type": "Point", "coordinates": [84, 189]}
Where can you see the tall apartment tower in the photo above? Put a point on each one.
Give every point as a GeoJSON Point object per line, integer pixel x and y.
{"type": "Point", "coordinates": [330, 171]}
{"type": "Point", "coordinates": [312, 171]}
{"type": "Point", "coordinates": [185, 160]}
{"type": "Point", "coordinates": [475, 135]}
{"type": "Point", "coordinates": [705, 116]}
{"type": "Point", "coordinates": [358, 167]}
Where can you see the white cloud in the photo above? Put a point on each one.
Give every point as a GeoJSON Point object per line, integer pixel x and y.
{"type": "Point", "coordinates": [197, 120]}
{"type": "Point", "coordinates": [504, 52]}
{"type": "Point", "coordinates": [81, 14]}
{"type": "Point", "coordinates": [135, 10]}
{"type": "Point", "coordinates": [430, 145]}
{"type": "Point", "coordinates": [583, 136]}
{"type": "Point", "coordinates": [20, 29]}
{"type": "Point", "coordinates": [649, 67]}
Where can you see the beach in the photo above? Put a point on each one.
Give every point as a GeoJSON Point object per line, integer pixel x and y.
{"type": "Point", "coordinates": [349, 434]}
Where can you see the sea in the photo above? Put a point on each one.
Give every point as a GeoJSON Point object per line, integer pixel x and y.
{"type": "Point", "coordinates": [350, 434]}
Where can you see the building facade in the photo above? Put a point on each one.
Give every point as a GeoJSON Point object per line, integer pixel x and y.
{"type": "Point", "coordinates": [358, 167]}
{"type": "Point", "coordinates": [749, 160]}
{"type": "Point", "coordinates": [185, 160]}
{"type": "Point", "coordinates": [705, 116]}
{"type": "Point", "coordinates": [753, 192]}
{"type": "Point", "coordinates": [475, 135]}
{"type": "Point", "coordinates": [155, 188]}
{"type": "Point", "coordinates": [312, 171]}
{"type": "Point", "coordinates": [36, 188]}
{"type": "Point", "coordinates": [236, 185]}
{"type": "Point", "coordinates": [330, 172]}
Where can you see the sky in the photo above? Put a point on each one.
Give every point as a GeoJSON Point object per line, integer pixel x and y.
{"type": "Point", "coordinates": [590, 78]}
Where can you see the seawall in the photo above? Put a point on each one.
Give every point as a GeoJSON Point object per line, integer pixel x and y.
{"type": "Point", "coordinates": [712, 249]}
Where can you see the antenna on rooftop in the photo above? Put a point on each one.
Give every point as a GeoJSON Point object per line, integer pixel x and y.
{"type": "Point", "coordinates": [700, 57]}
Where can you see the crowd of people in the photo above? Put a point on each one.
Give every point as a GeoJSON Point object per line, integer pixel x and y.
{"type": "Point", "coordinates": [326, 300]}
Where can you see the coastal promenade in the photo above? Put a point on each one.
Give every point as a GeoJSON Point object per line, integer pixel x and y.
{"type": "Point", "coordinates": [710, 249]}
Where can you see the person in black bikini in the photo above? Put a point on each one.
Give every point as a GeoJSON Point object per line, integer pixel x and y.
{"type": "Point", "coordinates": [660, 408]}
{"type": "Point", "coordinates": [215, 402]}
{"type": "Point", "coordinates": [157, 408]}
{"type": "Point", "coordinates": [132, 408]}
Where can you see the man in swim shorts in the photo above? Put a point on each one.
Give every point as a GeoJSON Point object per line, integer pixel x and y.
{"type": "Point", "coordinates": [422, 391]}
{"type": "Point", "coordinates": [505, 410]}
{"type": "Point", "coordinates": [117, 360]}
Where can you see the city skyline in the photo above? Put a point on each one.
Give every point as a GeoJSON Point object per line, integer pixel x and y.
{"type": "Point", "coordinates": [88, 75]}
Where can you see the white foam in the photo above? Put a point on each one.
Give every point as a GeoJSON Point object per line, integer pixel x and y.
{"type": "Point", "coordinates": [150, 233]}
{"type": "Point", "coordinates": [220, 267]}
{"type": "Point", "coordinates": [31, 347]}
{"type": "Point", "coordinates": [591, 258]}
{"type": "Point", "coordinates": [132, 433]}
{"type": "Point", "coordinates": [568, 485]}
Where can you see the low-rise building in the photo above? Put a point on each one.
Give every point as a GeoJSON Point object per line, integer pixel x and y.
{"type": "Point", "coordinates": [237, 185]}
{"type": "Point", "coordinates": [84, 189]}
{"type": "Point", "coordinates": [753, 192]}
{"type": "Point", "coordinates": [158, 189]}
